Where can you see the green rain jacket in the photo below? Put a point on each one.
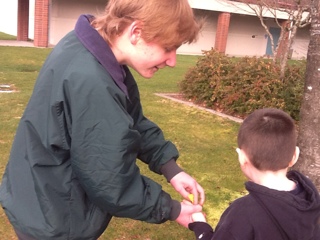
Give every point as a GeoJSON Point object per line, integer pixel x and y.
{"type": "Point", "coordinates": [73, 161]}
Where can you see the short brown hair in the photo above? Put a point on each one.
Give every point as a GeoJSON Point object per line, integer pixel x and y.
{"type": "Point", "coordinates": [268, 137]}
{"type": "Point", "coordinates": [169, 23]}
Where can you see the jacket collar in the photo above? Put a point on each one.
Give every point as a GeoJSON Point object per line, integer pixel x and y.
{"type": "Point", "coordinates": [98, 47]}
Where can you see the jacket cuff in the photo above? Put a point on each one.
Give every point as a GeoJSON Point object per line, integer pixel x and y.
{"type": "Point", "coordinates": [175, 210]}
{"type": "Point", "coordinates": [202, 230]}
{"type": "Point", "coordinates": [170, 169]}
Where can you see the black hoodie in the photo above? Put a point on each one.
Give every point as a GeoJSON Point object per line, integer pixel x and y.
{"type": "Point", "coordinates": [267, 214]}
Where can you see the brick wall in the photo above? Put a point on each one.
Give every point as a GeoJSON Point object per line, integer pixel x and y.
{"type": "Point", "coordinates": [222, 32]}
{"type": "Point", "coordinates": [23, 20]}
{"type": "Point", "coordinates": [41, 23]}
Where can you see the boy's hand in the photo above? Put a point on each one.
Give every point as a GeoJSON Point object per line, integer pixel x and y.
{"type": "Point", "coordinates": [198, 217]}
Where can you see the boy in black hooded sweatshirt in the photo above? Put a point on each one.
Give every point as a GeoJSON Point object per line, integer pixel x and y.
{"type": "Point", "coordinates": [280, 204]}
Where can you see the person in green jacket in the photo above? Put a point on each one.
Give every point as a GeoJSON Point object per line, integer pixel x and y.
{"type": "Point", "coordinates": [73, 161]}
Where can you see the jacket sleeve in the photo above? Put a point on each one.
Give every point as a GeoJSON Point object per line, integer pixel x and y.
{"type": "Point", "coordinates": [202, 230]}
{"type": "Point", "coordinates": [155, 150]}
{"type": "Point", "coordinates": [105, 143]}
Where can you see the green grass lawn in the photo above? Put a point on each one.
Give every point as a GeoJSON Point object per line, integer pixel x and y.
{"type": "Point", "coordinates": [206, 142]}
{"type": "Point", "coordinates": [4, 36]}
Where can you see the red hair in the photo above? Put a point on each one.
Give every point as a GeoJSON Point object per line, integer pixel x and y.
{"type": "Point", "coordinates": [169, 23]}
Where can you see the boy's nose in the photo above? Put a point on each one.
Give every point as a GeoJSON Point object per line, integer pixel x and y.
{"type": "Point", "coordinates": [172, 59]}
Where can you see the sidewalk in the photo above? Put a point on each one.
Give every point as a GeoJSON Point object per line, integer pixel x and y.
{"type": "Point", "coordinates": [16, 43]}
{"type": "Point", "coordinates": [172, 96]}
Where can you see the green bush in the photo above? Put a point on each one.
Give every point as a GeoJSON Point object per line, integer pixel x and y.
{"type": "Point", "coordinates": [205, 77]}
{"type": "Point", "coordinates": [238, 86]}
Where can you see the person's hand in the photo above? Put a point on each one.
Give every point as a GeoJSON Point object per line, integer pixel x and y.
{"type": "Point", "coordinates": [198, 217]}
{"type": "Point", "coordinates": [184, 184]}
{"type": "Point", "coordinates": [187, 210]}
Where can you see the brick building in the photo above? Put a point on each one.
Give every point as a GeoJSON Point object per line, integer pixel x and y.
{"type": "Point", "coordinates": [229, 28]}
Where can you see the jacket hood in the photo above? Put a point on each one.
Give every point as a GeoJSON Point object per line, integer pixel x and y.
{"type": "Point", "coordinates": [296, 213]}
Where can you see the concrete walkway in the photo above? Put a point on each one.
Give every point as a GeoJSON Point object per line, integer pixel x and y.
{"type": "Point", "coordinates": [173, 98]}
{"type": "Point", "coordinates": [16, 43]}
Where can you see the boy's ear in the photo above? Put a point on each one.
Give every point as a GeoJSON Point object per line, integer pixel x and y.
{"type": "Point", "coordinates": [295, 157]}
{"type": "Point", "coordinates": [242, 157]}
{"type": "Point", "coordinates": [135, 32]}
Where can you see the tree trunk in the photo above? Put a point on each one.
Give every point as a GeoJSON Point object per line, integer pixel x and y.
{"type": "Point", "coordinates": [309, 129]}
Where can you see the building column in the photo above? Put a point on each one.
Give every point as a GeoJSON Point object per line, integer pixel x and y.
{"type": "Point", "coordinates": [23, 20]}
{"type": "Point", "coordinates": [41, 23]}
{"type": "Point", "coordinates": [222, 32]}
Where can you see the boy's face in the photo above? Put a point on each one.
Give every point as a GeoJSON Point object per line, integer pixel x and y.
{"type": "Point", "coordinates": [150, 57]}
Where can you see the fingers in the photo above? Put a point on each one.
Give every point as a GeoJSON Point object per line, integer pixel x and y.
{"type": "Point", "coordinates": [197, 193]}
{"type": "Point", "coordinates": [195, 216]}
{"type": "Point", "coordinates": [195, 196]}
{"type": "Point", "coordinates": [187, 209]}
{"type": "Point", "coordinates": [190, 208]}
{"type": "Point", "coordinates": [186, 202]}
{"type": "Point", "coordinates": [186, 185]}
{"type": "Point", "coordinates": [202, 195]}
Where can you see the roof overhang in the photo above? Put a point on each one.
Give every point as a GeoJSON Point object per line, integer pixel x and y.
{"type": "Point", "coordinates": [236, 8]}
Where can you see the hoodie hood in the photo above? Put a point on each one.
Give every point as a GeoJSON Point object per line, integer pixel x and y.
{"type": "Point", "coordinates": [293, 212]}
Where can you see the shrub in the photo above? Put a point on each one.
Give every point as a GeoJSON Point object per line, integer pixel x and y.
{"type": "Point", "coordinates": [205, 77]}
{"type": "Point", "coordinates": [238, 86]}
